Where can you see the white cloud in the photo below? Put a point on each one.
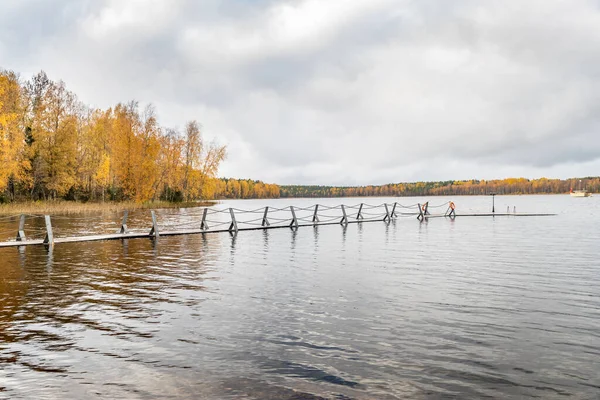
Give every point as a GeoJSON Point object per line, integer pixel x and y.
{"type": "Point", "coordinates": [341, 92]}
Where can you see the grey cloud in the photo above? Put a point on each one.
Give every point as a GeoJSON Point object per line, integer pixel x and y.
{"type": "Point", "coordinates": [367, 90]}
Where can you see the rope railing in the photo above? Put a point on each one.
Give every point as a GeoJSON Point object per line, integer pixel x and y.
{"type": "Point", "coordinates": [33, 227]}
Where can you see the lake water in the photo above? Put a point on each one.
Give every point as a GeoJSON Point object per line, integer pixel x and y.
{"type": "Point", "coordinates": [504, 307]}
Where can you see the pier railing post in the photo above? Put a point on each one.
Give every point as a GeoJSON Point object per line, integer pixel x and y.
{"type": "Point", "coordinates": [420, 216]}
{"type": "Point", "coordinates": [394, 210]}
{"type": "Point", "coordinates": [344, 220]}
{"type": "Point", "coordinates": [123, 229]}
{"type": "Point", "coordinates": [359, 214]}
{"type": "Point", "coordinates": [204, 224]}
{"type": "Point", "coordinates": [265, 221]}
{"type": "Point", "coordinates": [294, 223]}
{"type": "Point", "coordinates": [315, 218]}
{"type": "Point", "coordinates": [21, 231]}
{"type": "Point", "coordinates": [387, 213]}
{"type": "Point", "coordinates": [233, 227]}
{"type": "Point", "coordinates": [154, 230]}
{"type": "Point", "coordinates": [426, 211]}
{"type": "Point", "coordinates": [49, 239]}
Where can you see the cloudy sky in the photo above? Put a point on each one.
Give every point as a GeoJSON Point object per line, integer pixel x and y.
{"type": "Point", "coordinates": [339, 91]}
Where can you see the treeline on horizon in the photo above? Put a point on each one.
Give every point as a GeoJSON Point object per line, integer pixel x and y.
{"type": "Point", "coordinates": [52, 146]}
{"type": "Point", "coordinates": [448, 188]}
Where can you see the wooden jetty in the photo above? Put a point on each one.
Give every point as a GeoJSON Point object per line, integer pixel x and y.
{"type": "Point", "coordinates": [268, 218]}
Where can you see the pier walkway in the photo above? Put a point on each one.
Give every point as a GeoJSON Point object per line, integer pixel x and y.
{"type": "Point", "coordinates": [233, 220]}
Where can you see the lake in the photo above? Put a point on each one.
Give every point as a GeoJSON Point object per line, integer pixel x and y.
{"type": "Point", "coordinates": [476, 307]}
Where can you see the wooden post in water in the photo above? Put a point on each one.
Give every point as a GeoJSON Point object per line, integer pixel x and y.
{"type": "Point", "coordinates": [359, 214]}
{"type": "Point", "coordinates": [154, 230]}
{"type": "Point", "coordinates": [426, 211]}
{"type": "Point", "coordinates": [233, 227]}
{"type": "Point", "coordinates": [21, 231]}
{"type": "Point", "coordinates": [394, 210]}
{"type": "Point", "coordinates": [315, 219]}
{"type": "Point", "coordinates": [420, 216]}
{"type": "Point", "coordinates": [387, 213]}
{"type": "Point", "coordinates": [123, 229]}
{"type": "Point", "coordinates": [514, 209]}
{"type": "Point", "coordinates": [344, 220]}
{"type": "Point", "coordinates": [265, 221]}
{"type": "Point", "coordinates": [49, 239]}
{"type": "Point", "coordinates": [294, 223]}
{"type": "Point", "coordinates": [204, 224]}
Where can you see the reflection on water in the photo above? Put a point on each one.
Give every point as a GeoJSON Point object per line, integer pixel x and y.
{"type": "Point", "coordinates": [471, 308]}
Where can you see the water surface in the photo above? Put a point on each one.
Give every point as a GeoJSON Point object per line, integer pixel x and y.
{"type": "Point", "coordinates": [499, 307]}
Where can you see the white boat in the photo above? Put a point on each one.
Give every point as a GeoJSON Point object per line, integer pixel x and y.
{"type": "Point", "coordinates": [580, 193]}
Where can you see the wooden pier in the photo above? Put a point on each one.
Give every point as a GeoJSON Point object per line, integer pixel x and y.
{"type": "Point", "coordinates": [262, 219]}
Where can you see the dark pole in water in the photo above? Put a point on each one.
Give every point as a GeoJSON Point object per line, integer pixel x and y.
{"type": "Point", "coordinates": [493, 202]}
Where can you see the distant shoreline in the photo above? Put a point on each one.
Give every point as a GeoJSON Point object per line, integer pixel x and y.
{"type": "Point", "coordinates": [67, 207]}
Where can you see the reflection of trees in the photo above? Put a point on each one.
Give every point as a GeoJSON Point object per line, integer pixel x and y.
{"type": "Point", "coordinates": [13, 290]}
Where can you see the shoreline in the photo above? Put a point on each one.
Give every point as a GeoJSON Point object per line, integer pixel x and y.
{"type": "Point", "coordinates": [73, 207]}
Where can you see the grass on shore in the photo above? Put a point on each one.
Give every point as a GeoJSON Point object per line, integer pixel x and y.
{"type": "Point", "coordinates": [69, 207]}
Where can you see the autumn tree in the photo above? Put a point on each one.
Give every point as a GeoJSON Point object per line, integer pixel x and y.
{"type": "Point", "coordinates": [11, 133]}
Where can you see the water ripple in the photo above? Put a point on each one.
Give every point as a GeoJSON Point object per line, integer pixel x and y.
{"type": "Point", "coordinates": [471, 308]}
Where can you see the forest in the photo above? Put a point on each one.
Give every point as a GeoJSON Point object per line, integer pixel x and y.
{"type": "Point", "coordinates": [52, 146]}
{"type": "Point", "coordinates": [447, 188]}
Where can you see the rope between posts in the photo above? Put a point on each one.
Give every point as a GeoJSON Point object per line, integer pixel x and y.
{"type": "Point", "coordinates": [324, 207]}
{"type": "Point", "coordinates": [215, 223]}
{"type": "Point", "coordinates": [249, 221]}
{"type": "Point", "coordinates": [253, 224]}
{"type": "Point", "coordinates": [409, 207]}
{"type": "Point", "coordinates": [287, 208]}
{"type": "Point", "coordinates": [213, 211]}
{"type": "Point", "coordinates": [279, 219]}
{"type": "Point", "coordinates": [441, 205]}
{"type": "Point", "coordinates": [370, 206]}
{"type": "Point", "coordinates": [311, 209]}
{"type": "Point", "coordinates": [330, 216]}
{"type": "Point", "coordinates": [374, 214]}
{"type": "Point", "coordinates": [258, 210]}
{"type": "Point", "coordinates": [179, 225]}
